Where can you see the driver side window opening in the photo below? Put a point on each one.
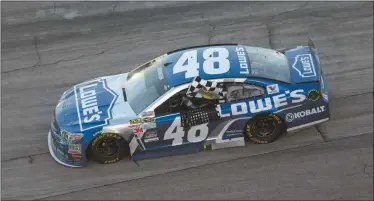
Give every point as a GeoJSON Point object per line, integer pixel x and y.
{"type": "Point", "coordinates": [235, 92]}
{"type": "Point", "coordinates": [242, 91]}
{"type": "Point", "coordinates": [178, 104]}
{"type": "Point", "coordinates": [173, 105]}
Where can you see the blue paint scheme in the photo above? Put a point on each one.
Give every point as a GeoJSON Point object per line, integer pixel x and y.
{"type": "Point", "coordinates": [283, 88]}
{"type": "Point", "coordinates": [166, 118]}
{"type": "Point", "coordinates": [61, 147]}
{"type": "Point", "coordinates": [70, 113]}
{"type": "Point", "coordinates": [235, 130]}
{"type": "Point", "coordinates": [164, 122]}
{"type": "Point", "coordinates": [74, 119]}
{"type": "Point", "coordinates": [179, 78]}
{"type": "Point", "coordinates": [304, 66]}
{"type": "Point", "coordinates": [70, 117]}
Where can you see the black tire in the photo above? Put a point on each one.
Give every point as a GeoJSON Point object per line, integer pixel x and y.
{"type": "Point", "coordinates": [255, 131]}
{"type": "Point", "coordinates": [108, 148]}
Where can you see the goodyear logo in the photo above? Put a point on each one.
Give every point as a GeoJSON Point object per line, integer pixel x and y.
{"type": "Point", "coordinates": [94, 101]}
{"type": "Point", "coordinates": [304, 65]}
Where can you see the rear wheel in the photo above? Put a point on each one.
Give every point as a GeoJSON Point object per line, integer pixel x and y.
{"type": "Point", "coordinates": [109, 148]}
{"type": "Point", "coordinates": [263, 129]}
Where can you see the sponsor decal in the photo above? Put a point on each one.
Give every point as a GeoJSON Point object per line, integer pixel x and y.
{"type": "Point", "coordinates": [76, 156]}
{"type": "Point", "coordinates": [263, 104]}
{"type": "Point", "coordinates": [72, 138]}
{"type": "Point", "coordinates": [151, 139]}
{"type": "Point", "coordinates": [142, 120]}
{"type": "Point", "coordinates": [242, 57]}
{"type": "Point", "coordinates": [136, 121]}
{"type": "Point", "coordinates": [151, 136]}
{"type": "Point", "coordinates": [313, 95]}
{"type": "Point", "coordinates": [297, 115]}
{"type": "Point", "coordinates": [148, 120]}
{"type": "Point", "coordinates": [148, 114]}
{"type": "Point", "coordinates": [304, 65]}
{"type": "Point", "coordinates": [75, 149]}
{"type": "Point", "coordinates": [137, 129]}
{"type": "Point", "coordinates": [234, 131]}
{"type": "Point", "coordinates": [272, 89]}
{"type": "Point", "coordinates": [88, 103]}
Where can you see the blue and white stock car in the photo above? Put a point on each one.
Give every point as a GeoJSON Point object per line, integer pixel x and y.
{"type": "Point", "coordinates": [140, 114]}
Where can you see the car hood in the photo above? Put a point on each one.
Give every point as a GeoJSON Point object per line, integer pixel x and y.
{"type": "Point", "coordinates": [93, 104]}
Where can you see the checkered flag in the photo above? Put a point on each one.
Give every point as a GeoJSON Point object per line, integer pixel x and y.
{"type": "Point", "coordinates": [200, 88]}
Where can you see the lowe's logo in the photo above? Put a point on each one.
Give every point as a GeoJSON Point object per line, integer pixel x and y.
{"type": "Point", "coordinates": [94, 101]}
{"type": "Point", "coordinates": [304, 65]}
{"type": "Point", "coordinates": [262, 104]}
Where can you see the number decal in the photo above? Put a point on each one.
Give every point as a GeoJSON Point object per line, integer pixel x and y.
{"type": "Point", "coordinates": [188, 62]}
{"type": "Point", "coordinates": [221, 59]}
{"type": "Point", "coordinates": [195, 134]}
{"type": "Point", "coordinates": [198, 133]}
{"type": "Point", "coordinates": [177, 136]}
{"type": "Point", "coordinates": [192, 66]}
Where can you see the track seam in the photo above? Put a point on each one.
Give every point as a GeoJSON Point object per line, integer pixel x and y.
{"type": "Point", "coordinates": [22, 157]}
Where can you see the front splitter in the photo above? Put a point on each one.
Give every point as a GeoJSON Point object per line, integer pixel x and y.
{"type": "Point", "coordinates": [52, 152]}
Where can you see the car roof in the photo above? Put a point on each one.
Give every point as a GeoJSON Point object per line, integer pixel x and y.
{"type": "Point", "coordinates": [177, 75]}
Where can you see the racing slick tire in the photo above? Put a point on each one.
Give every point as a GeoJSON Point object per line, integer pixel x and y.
{"type": "Point", "coordinates": [264, 129]}
{"type": "Point", "coordinates": [108, 148]}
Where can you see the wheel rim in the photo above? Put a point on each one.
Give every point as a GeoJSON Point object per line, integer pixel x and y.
{"type": "Point", "coordinates": [108, 147]}
{"type": "Point", "coordinates": [264, 126]}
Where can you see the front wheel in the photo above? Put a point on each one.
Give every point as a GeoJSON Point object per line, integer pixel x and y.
{"type": "Point", "coordinates": [263, 129]}
{"type": "Point", "coordinates": [109, 148]}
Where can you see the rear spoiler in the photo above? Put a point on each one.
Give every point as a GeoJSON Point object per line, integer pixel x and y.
{"type": "Point", "coordinates": [311, 45]}
{"type": "Point", "coordinates": [314, 51]}
{"type": "Point", "coordinates": [297, 56]}
{"type": "Point", "coordinates": [322, 80]}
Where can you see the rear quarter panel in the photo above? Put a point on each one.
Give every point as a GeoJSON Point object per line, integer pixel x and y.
{"type": "Point", "coordinates": [309, 111]}
{"type": "Point", "coordinates": [283, 99]}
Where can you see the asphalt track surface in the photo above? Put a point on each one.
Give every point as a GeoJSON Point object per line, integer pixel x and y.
{"type": "Point", "coordinates": [41, 59]}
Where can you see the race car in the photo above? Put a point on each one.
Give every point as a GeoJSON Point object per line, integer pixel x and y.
{"type": "Point", "coordinates": [192, 99]}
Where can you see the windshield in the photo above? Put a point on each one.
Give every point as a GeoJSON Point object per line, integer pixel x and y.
{"type": "Point", "coordinates": [145, 85]}
{"type": "Point", "coordinates": [269, 63]}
